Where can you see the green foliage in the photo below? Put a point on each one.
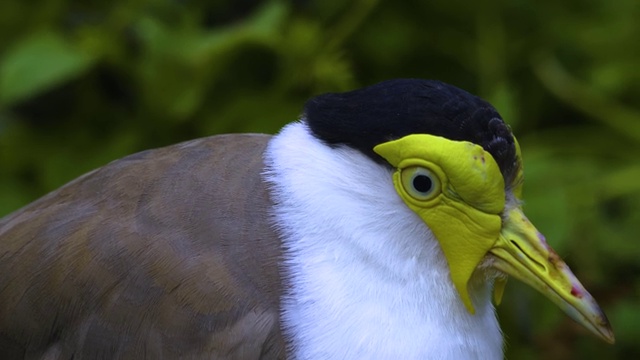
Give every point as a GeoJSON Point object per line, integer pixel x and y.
{"type": "Point", "coordinates": [22, 74]}
{"type": "Point", "coordinates": [83, 83]}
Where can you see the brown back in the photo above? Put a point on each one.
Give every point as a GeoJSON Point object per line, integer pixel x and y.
{"type": "Point", "coordinates": [164, 254]}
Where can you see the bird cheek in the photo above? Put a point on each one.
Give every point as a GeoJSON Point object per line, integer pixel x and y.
{"type": "Point", "coordinates": [465, 235]}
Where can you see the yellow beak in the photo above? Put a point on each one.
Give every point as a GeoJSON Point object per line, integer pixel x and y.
{"type": "Point", "coordinates": [522, 252]}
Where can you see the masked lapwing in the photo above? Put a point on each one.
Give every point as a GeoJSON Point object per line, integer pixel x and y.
{"type": "Point", "coordinates": [381, 225]}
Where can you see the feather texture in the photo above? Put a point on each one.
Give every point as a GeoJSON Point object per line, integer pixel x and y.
{"type": "Point", "coordinates": [164, 254]}
{"type": "Point", "coordinates": [367, 279]}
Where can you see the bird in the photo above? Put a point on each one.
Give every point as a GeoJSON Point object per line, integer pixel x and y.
{"type": "Point", "coordinates": [383, 223]}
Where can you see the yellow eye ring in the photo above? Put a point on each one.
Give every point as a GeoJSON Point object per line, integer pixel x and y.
{"type": "Point", "coordinates": [420, 183]}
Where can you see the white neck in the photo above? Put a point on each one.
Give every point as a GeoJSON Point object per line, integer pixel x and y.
{"type": "Point", "coordinates": [366, 277]}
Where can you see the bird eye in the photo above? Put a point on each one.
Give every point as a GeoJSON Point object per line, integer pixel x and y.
{"type": "Point", "coordinates": [420, 183]}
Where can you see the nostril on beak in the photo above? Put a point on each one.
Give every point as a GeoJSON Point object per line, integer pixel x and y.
{"type": "Point", "coordinates": [540, 266]}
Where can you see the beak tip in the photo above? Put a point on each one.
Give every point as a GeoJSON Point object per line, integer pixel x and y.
{"type": "Point", "coordinates": [607, 335]}
{"type": "Point", "coordinates": [604, 328]}
{"type": "Point", "coordinates": [599, 326]}
{"type": "Point", "coordinates": [611, 339]}
{"type": "Point", "coordinates": [606, 331]}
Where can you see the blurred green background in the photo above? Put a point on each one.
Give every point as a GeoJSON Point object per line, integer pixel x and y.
{"type": "Point", "coordinates": [86, 82]}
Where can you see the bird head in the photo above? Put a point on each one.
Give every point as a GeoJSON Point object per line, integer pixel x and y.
{"type": "Point", "coordinates": [457, 189]}
{"type": "Point", "coordinates": [457, 165]}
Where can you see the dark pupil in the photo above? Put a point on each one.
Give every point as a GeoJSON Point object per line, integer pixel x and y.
{"type": "Point", "coordinates": [422, 183]}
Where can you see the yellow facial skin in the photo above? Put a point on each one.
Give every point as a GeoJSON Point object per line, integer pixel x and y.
{"type": "Point", "coordinates": [465, 212]}
{"type": "Point", "coordinates": [457, 189]}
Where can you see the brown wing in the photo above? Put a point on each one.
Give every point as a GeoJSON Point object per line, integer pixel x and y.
{"type": "Point", "coordinates": [163, 254]}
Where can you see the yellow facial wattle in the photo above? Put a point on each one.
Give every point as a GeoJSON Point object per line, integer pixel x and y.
{"type": "Point", "coordinates": [464, 210]}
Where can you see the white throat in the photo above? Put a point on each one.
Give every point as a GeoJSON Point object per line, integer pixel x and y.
{"type": "Point", "coordinates": [366, 277]}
